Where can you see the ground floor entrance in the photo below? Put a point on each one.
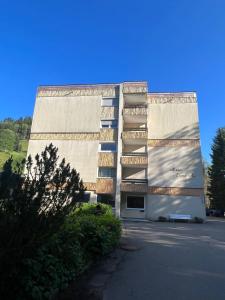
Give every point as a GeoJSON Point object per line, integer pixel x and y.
{"type": "Point", "coordinates": [155, 207]}
{"type": "Point", "coordinates": [133, 205]}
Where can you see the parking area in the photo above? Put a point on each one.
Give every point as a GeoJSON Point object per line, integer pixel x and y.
{"type": "Point", "coordinates": [171, 261]}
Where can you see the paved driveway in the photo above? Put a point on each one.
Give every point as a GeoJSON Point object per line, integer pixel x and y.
{"type": "Point", "coordinates": [171, 261]}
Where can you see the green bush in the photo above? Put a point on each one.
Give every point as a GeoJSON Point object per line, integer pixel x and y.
{"type": "Point", "coordinates": [84, 237]}
{"type": "Point", "coordinates": [54, 265]}
{"type": "Point", "coordinates": [93, 209]}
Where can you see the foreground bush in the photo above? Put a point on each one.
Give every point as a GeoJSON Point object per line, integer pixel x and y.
{"type": "Point", "coordinates": [46, 238]}
{"type": "Point", "coordinates": [35, 200]}
{"type": "Point", "coordinates": [84, 238]}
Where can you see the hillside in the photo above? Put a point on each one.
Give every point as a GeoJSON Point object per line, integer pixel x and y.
{"type": "Point", "coordinates": [14, 135]}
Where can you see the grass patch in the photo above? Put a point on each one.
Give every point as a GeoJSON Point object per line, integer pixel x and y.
{"type": "Point", "coordinates": [17, 157]}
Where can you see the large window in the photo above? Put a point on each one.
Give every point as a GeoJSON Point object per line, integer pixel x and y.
{"type": "Point", "coordinates": [110, 102]}
{"type": "Point", "coordinates": [106, 172]}
{"type": "Point", "coordinates": [135, 202]}
{"type": "Point", "coordinates": [109, 124]}
{"type": "Point", "coordinates": [111, 147]}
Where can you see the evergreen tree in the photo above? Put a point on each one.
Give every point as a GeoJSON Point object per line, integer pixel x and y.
{"type": "Point", "coordinates": [216, 188]}
{"type": "Point", "coordinates": [35, 200]}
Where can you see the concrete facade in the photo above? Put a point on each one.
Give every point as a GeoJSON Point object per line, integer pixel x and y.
{"type": "Point", "coordinates": [140, 150]}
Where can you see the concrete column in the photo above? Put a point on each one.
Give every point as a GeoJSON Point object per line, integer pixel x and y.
{"type": "Point", "coordinates": [93, 198]}
{"type": "Point", "coordinates": [119, 151]}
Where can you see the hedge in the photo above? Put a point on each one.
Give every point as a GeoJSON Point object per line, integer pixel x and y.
{"type": "Point", "coordinates": [90, 232]}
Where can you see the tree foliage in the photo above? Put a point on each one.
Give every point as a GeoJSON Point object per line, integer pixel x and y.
{"type": "Point", "coordinates": [34, 202]}
{"type": "Point", "coordinates": [8, 140]}
{"type": "Point", "coordinates": [216, 188]}
{"type": "Point", "coordinates": [20, 126]}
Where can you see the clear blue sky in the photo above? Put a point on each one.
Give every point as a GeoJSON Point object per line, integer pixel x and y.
{"type": "Point", "coordinates": [175, 45]}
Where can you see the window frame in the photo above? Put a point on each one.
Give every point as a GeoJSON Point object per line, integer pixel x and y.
{"type": "Point", "coordinates": [106, 176]}
{"type": "Point", "coordinates": [110, 126]}
{"type": "Point", "coordinates": [135, 208]}
{"type": "Point", "coordinates": [111, 151]}
{"type": "Point", "coordinates": [114, 99]}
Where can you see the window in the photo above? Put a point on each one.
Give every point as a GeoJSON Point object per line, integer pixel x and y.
{"type": "Point", "coordinates": [109, 123]}
{"type": "Point", "coordinates": [106, 198]}
{"type": "Point", "coordinates": [106, 172]}
{"type": "Point", "coordinates": [86, 197]}
{"type": "Point", "coordinates": [110, 102]}
{"type": "Point", "coordinates": [108, 147]}
{"type": "Point", "coordinates": [135, 202]}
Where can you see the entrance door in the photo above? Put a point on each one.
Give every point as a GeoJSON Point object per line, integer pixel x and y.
{"type": "Point", "coordinates": [135, 206]}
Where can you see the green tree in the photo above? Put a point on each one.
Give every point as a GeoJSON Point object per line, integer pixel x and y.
{"type": "Point", "coordinates": [7, 140]}
{"type": "Point", "coordinates": [34, 202]}
{"type": "Point", "coordinates": [216, 188]}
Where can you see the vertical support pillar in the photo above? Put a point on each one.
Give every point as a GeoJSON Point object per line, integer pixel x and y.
{"type": "Point", "coordinates": [119, 152]}
{"type": "Point", "coordinates": [93, 198]}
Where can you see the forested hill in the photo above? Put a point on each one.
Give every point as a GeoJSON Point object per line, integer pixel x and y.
{"type": "Point", "coordinates": [14, 135]}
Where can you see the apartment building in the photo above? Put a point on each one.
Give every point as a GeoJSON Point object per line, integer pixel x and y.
{"type": "Point", "coordinates": [139, 151]}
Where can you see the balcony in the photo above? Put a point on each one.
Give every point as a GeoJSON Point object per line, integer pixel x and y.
{"type": "Point", "coordinates": [137, 136]}
{"type": "Point", "coordinates": [134, 185]}
{"type": "Point", "coordinates": [105, 186]}
{"type": "Point", "coordinates": [135, 114]}
{"type": "Point", "coordinates": [107, 159]}
{"type": "Point", "coordinates": [135, 87]}
{"type": "Point", "coordinates": [108, 134]}
{"type": "Point", "coordinates": [135, 92]}
{"type": "Point", "coordinates": [134, 159]}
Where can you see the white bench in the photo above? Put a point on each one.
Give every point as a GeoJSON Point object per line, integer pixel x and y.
{"type": "Point", "coordinates": [179, 217]}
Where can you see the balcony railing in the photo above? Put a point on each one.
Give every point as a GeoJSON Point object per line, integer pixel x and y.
{"type": "Point", "coordinates": [105, 186]}
{"type": "Point", "coordinates": [134, 161]}
{"type": "Point", "coordinates": [134, 185]}
{"type": "Point", "coordinates": [140, 135]}
{"type": "Point", "coordinates": [135, 181]}
{"type": "Point", "coordinates": [135, 106]}
{"type": "Point", "coordinates": [135, 129]}
{"type": "Point", "coordinates": [135, 111]}
{"type": "Point", "coordinates": [134, 153]}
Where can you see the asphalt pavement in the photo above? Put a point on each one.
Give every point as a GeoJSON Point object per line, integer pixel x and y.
{"type": "Point", "coordinates": [176, 261]}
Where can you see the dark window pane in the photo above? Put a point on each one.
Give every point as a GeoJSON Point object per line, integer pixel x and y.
{"type": "Point", "coordinates": [86, 197]}
{"type": "Point", "coordinates": [108, 147]}
{"type": "Point", "coordinates": [135, 202]}
{"type": "Point", "coordinates": [106, 199]}
{"type": "Point", "coordinates": [109, 123]}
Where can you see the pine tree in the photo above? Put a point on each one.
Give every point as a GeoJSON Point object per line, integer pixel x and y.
{"type": "Point", "coordinates": [216, 188]}
{"type": "Point", "coordinates": [35, 200]}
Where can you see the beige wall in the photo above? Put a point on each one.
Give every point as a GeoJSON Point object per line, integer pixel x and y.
{"type": "Point", "coordinates": [134, 148]}
{"type": "Point", "coordinates": [175, 167]}
{"type": "Point", "coordinates": [134, 173]}
{"type": "Point", "coordinates": [67, 114]}
{"type": "Point", "coordinates": [163, 205]}
{"type": "Point", "coordinates": [82, 155]}
{"type": "Point", "coordinates": [173, 120]}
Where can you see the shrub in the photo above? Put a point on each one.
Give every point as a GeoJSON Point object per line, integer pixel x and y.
{"type": "Point", "coordinates": [54, 265]}
{"type": "Point", "coordinates": [84, 237]}
{"type": "Point", "coordinates": [93, 209]}
{"type": "Point", "coordinates": [33, 206]}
